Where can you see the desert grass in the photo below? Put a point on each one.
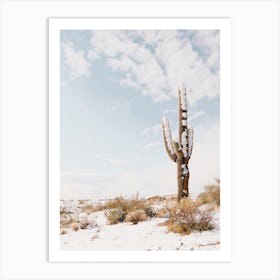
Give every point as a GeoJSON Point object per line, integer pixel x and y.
{"type": "Point", "coordinates": [163, 212]}
{"type": "Point", "coordinates": [63, 231]}
{"type": "Point", "coordinates": [119, 208]}
{"type": "Point", "coordinates": [187, 216]}
{"type": "Point", "coordinates": [67, 221]}
{"type": "Point", "coordinates": [65, 211]}
{"type": "Point", "coordinates": [89, 209]}
{"type": "Point", "coordinates": [75, 226]}
{"type": "Point", "coordinates": [211, 195]}
{"type": "Point", "coordinates": [115, 216]}
{"type": "Point", "coordinates": [181, 217]}
{"type": "Point", "coordinates": [136, 216]}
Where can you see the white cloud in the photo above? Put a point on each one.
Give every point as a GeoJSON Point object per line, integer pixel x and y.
{"type": "Point", "coordinates": [75, 61]}
{"type": "Point", "coordinates": [91, 55]}
{"type": "Point", "coordinates": [152, 145]}
{"type": "Point", "coordinates": [153, 130]}
{"type": "Point", "coordinates": [196, 115]}
{"type": "Point", "coordinates": [208, 41]}
{"type": "Point", "coordinates": [155, 62]}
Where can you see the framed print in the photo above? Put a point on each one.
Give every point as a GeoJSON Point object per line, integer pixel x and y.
{"type": "Point", "coordinates": [78, 135]}
{"type": "Point", "coordinates": [139, 139]}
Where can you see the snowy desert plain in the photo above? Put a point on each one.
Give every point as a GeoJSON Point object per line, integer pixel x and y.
{"type": "Point", "coordinates": [87, 225]}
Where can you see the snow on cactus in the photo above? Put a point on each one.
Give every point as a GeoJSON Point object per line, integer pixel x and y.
{"type": "Point", "coordinates": [180, 149]}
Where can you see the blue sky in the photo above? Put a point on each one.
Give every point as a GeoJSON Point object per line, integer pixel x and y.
{"type": "Point", "coordinates": [115, 88]}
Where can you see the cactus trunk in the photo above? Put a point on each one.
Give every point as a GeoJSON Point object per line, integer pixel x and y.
{"type": "Point", "coordinates": [182, 178]}
{"type": "Point", "coordinates": [180, 150]}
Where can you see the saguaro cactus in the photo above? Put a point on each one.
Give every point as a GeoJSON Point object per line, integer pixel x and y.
{"type": "Point", "coordinates": [180, 150]}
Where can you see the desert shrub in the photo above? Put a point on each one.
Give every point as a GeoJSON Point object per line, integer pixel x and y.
{"type": "Point", "coordinates": [81, 201]}
{"type": "Point", "coordinates": [84, 224]}
{"type": "Point", "coordinates": [75, 226]}
{"type": "Point", "coordinates": [119, 203]}
{"type": "Point", "coordinates": [211, 195]}
{"type": "Point", "coordinates": [119, 207]}
{"type": "Point", "coordinates": [148, 209]}
{"type": "Point", "coordinates": [162, 212]}
{"type": "Point", "coordinates": [87, 222]}
{"type": "Point", "coordinates": [115, 216]}
{"type": "Point", "coordinates": [88, 209]}
{"type": "Point", "coordinates": [65, 211]}
{"type": "Point", "coordinates": [126, 205]}
{"type": "Point", "coordinates": [63, 231]}
{"type": "Point", "coordinates": [180, 228]}
{"type": "Point", "coordinates": [136, 216]}
{"type": "Point", "coordinates": [187, 216]}
{"type": "Point", "coordinates": [204, 220]}
{"type": "Point", "coordinates": [67, 222]}
{"type": "Point", "coordinates": [93, 208]}
{"type": "Point", "coordinates": [156, 198]}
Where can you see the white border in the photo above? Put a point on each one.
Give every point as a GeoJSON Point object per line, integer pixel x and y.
{"type": "Point", "coordinates": [55, 25]}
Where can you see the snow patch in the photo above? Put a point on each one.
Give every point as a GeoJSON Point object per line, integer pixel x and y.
{"type": "Point", "coordinates": [183, 97]}
{"type": "Point", "coordinates": [147, 235]}
{"type": "Point", "coordinates": [184, 141]}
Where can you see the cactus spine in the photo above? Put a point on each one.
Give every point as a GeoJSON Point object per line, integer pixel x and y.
{"type": "Point", "coordinates": [180, 150]}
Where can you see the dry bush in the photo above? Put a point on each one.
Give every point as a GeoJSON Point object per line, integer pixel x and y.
{"type": "Point", "coordinates": [171, 199]}
{"type": "Point", "coordinates": [161, 224]}
{"type": "Point", "coordinates": [181, 228]}
{"type": "Point", "coordinates": [88, 209]}
{"type": "Point", "coordinates": [84, 224]}
{"type": "Point", "coordinates": [156, 198]}
{"type": "Point", "coordinates": [67, 222]}
{"type": "Point", "coordinates": [127, 205]}
{"type": "Point", "coordinates": [136, 216]}
{"type": "Point", "coordinates": [119, 207]}
{"type": "Point", "coordinates": [63, 231]}
{"type": "Point", "coordinates": [81, 201]}
{"type": "Point", "coordinates": [119, 203]}
{"type": "Point", "coordinates": [75, 226]}
{"type": "Point", "coordinates": [87, 223]}
{"type": "Point", "coordinates": [148, 209]}
{"type": "Point", "coordinates": [211, 195]}
{"type": "Point", "coordinates": [65, 211]}
{"type": "Point", "coordinates": [204, 221]}
{"type": "Point", "coordinates": [93, 208]}
{"type": "Point", "coordinates": [162, 213]}
{"type": "Point", "coordinates": [186, 216]}
{"type": "Point", "coordinates": [115, 216]}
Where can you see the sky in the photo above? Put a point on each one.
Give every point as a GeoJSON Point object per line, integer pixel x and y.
{"type": "Point", "coordinates": [116, 85]}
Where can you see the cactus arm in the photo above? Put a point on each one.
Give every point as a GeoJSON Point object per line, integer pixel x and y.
{"type": "Point", "coordinates": [168, 140]}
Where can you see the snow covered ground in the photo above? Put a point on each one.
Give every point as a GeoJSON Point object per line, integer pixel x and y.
{"type": "Point", "coordinates": [146, 235]}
